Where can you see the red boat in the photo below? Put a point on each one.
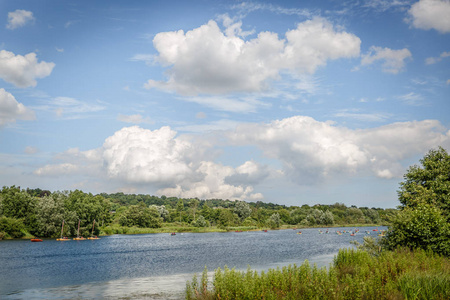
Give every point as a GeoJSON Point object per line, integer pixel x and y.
{"type": "Point", "coordinates": [36, 240]}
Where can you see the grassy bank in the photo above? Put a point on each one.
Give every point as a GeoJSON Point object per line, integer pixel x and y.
{"type": "Point", "coordinates": [354, 274]}
{"type": "Point", "coordinates": [181, 227]}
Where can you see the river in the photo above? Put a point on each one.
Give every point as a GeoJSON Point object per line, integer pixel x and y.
{"type": "Point", "coordinates": [153, 266]}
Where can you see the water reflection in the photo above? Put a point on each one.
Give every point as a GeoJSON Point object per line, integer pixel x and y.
{"type": "Point", "coordinates": [154, 266]}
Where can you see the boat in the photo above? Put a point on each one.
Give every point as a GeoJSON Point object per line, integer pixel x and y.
{"type": "Point", "coordinates": [299, 232]}
{"type": "Point", "coordinates": [93, 237]}
{"type": "Point", "coordinates": [173, 233]}
{"type": "Point", "coordinates": [79, 238]}
{"type": "Point", "coordinates": [36, 240]}
{"type": "Point", "coordinates": [62, 238]}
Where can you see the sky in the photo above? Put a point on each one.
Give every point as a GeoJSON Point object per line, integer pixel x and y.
{"type": "Point", "coordinates": [289, 102]}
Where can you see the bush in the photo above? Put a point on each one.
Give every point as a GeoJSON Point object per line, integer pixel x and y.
{"type": "Point", "coordinates": [421, 227]}
{"type": "Point", "coordinates": [12, 227]}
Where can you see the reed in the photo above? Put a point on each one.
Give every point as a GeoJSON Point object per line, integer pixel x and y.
{"type": "Point", "coordinates": [354, 274]}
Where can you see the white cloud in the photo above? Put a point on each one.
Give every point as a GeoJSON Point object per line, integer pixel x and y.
{"type": "Point", "coordinates": [394, 60]}
{"type": "Point", "coordinates": [373, 117]}
{"type": "Point", "coordinates": [22, 71]}
{"type": "Point", "coordinates": [135, 119]}
{"type": "Point", "coordinates": [134, 157]}
{"type": "Point", "coordinates": [412, 98]}
{"type": "Point", "coordinates": [430, 14]}
{"type": "Point", "coordinates": [19, 18]}
{"type": "Point", "coordinates": [55, 170]}
{"type": "Point", "coordinates": [11, 110]}
{"type": "Point", "coordinates": [147, 58]}
{"type": "Point", "coordinates": [206, 60]}
{"type": "Point", "coordinates": [70, 108]}
{"type": "Point", "coordinates": [31, 150]}
{"type": "Point", "coordinates": [311, 151]}
{"type": "Point", "coordinates": [433, 60]}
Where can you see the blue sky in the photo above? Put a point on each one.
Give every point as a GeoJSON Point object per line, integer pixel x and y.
{"type": "Point", "coordinates": [290, 102]}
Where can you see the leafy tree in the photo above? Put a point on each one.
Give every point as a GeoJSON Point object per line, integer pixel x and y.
{"type": "Point", "coordinates": [423, 226]}
{"type": "Point", "coordinates": [180, 207]}
{"type": "Point", "coordinates": [50, 213]}
{"type": "Point", "coordinates": [163, 212]}
{"type": "Point", "coordinates": [12, 227]}
{"type": "Point", "coordinates": [19, 205]}
{"type": "Point", "coordinates": [140, 216]}
{"type": "Point", "coordinates": [424, 193]}
{"type": "Point", "coordinates": [429, 183]}
{"type": "Point", "coordinates": [88, 208]}
{"type": "Point", "coordinates": [193, 204]}
{"type": "Point", "coordinates": [242, 209]}
{"type": "Point", "coordinates": [200, 222]}
{"type": "Point", "coordinates": [274, 221]}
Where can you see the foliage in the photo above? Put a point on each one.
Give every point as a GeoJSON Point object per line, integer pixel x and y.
{"type": "Point", "coordinates": [425, 195]}
{"type": "Point", "coordinates": [400, 274]}
{"type": "Point", "coordinates": [200, 222]}
{"type": "Point", "coordinates": [11, 227]}
{"type": "Point", "coordinates": [18, 204]}
{"type": "Point", "coordinates": [242, 209]}
{"type": "Point", "coordinates": [140, 216]}
{"type": "Point", "coordinates": [423, 226]}
{"type": "Point", "coordinates": [274, 221]}
{"type": "Point", "coordinates": [429, 183]}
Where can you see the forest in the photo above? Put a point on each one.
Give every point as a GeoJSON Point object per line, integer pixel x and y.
{"type": "Point", "coordinates": [36, 212]}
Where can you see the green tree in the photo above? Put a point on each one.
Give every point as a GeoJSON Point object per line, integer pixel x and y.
{"type": "Point", "coordinates": [423, 219]}
{"type": "Point", "coordinates": [50, 212]}
{"type": "Point", "coordinates": [242, 209]}
{"type": "Point", "coordinates": [19, 204]}
{"type": "Point", "coordinates": [200, 222]}
{"type": "Point", "coordinates": [194, 204]}
{"type": "Point", "coordinates": [180, 207]}
{"type": "Point", "coordinates": [140, 216]}
{"type": "Point", "coordinates": [428, 183]}
{"type": "Point", "coordinates": [422, 226]}
{"type": "Point", "coordinates": [274, 221]}
{"type": "Point", "coordinates": [13, 228]}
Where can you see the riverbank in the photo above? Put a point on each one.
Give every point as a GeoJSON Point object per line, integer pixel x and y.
{"type": "Point", "coordinates": [180, 228]}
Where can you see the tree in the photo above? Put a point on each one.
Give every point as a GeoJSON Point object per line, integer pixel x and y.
{"type": "Point", "coordinates": [50, 213]}
{"type": "Point", "coordinates": [423, 219]}
{"type": "Point", "coordinates": [242, 209]}
{"type": "Point", "coordinates": [423, 227]}
{"type": "Point", "coordinates": [140, 216]}
{"type": "Point", "coordinates": [200, 222]}
{"type": "Point", "coordinates": [180, 207]}
{"type": "Point", "coordinates": [429, 183]}
{"type": "Point", "coordinates": [193, 204]}
{"type": "Point", "coordinates": [18, 204]}
{"type": "Point", "coordinates": [274, 221]}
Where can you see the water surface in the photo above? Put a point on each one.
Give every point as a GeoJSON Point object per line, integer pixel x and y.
{"type": "Point", "coordinates": [154, 266]}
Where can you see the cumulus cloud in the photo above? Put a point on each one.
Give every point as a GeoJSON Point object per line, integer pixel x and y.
{"type": "Point", "coordinates": [430, 14]}
{"type": "Point", "coordinates": [312, 151]}
{"type": "Point", "coordinates": [393, 60]}
{"type": "Point", "coordinates": [208, 60]}
{"type": "Point", "coordinates": [19, 18]}
{"type": "Point", "coordinates": [11, 110]}
{"type": "Point", "coordinates": [134, 156]}
{"type": "Point", "coordinates": [22, 71]}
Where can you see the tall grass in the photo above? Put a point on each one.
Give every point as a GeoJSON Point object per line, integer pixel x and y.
{"type": "Point", "coordinates": [354, 274]}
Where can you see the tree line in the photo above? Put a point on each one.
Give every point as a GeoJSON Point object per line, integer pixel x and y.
{"type": "Point", "coordinates": [41, 213]}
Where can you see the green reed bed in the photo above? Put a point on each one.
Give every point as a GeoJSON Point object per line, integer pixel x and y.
{"type": "Point", "coordinates": [354, 274]}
